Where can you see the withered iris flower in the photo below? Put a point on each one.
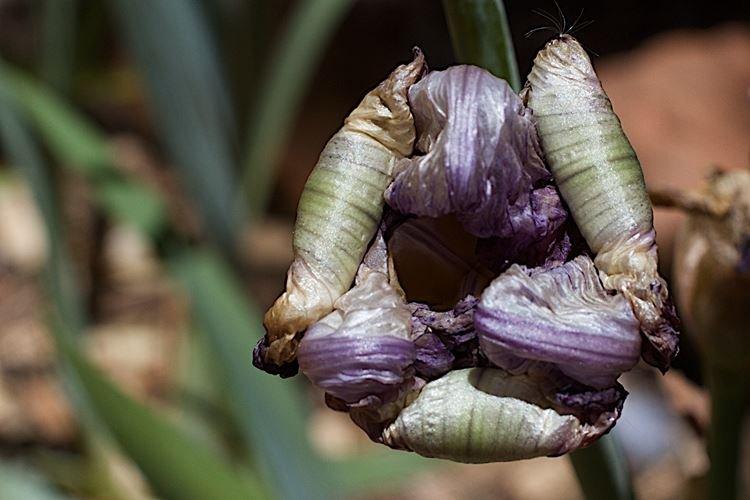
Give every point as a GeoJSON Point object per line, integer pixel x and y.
{"type": "Point", "coordinates": [527, 365]}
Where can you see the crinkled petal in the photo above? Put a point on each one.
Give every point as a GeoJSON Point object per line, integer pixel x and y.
{"type": "Point", "coordinates": [351, 367]}
{"type": "Point", "coordinates": [458, 320]}
{"type": "Point", "coordinates": [445, 340]}
{"type": "Point", "coordinates": [487, 415]}
{"type": "Point", "coordinates": [339, 212]}
{"type": "Point", "coordinates": [561, 316]}
{"type": "Point", "coordinates": [629, 265]}
{"type": "Point", "coordinates": [363, 348]}
{"type": "Point", "coordinates": [555, 239]}
{"type": "Point", "coordinates": [482, 160]}
{"type": "Point", "coordinates": [434, 359]}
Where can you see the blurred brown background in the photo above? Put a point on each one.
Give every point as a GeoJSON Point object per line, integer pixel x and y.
{"type": "Point", "coordinates": [678, 74]}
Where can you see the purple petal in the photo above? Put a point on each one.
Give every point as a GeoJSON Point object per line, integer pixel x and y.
{"type": "Point", "coordinates": [351, 367]}
{"type": "Point", "coordinates": [433, 357]}
{"type": "Point", "coordinates": [588, 405]}
{"type": "Point", "coordinates": [554, 239]}
{"type": "Point", "coordinates": [482, 160]}
{"type": "Point", "coordinates": [561, 316]}
{"type": "Point", "coordinates": [445, 340]}
{"type": "Point", "coordinates": [459, 319]}
{"type": "Point", "coordinates": [363, 348]}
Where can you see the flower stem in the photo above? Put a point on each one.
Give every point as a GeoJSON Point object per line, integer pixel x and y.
{"type": "Point", "coordinates": [481, 36]}
{"type": "Point", "coordinates": [729, 393]}
{"type": "Point", "coordinates": [602, 470]}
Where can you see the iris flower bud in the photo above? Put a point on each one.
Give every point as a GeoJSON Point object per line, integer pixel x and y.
{"type": "Point", "coordinates": [528, 369]}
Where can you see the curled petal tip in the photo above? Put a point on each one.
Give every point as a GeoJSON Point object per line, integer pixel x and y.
{"type": "Point", "coordinates": [663, 339]}
{"type": "Point", "coordinates": [384, 113]}
{"type": "Point", "coordinates": [306, 299]}
{"type": "Point", "coordinates": [260, 361]}
{"type": "Point", "coordinates": [629, 265]}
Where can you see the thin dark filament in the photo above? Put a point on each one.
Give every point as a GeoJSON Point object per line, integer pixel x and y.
{"type": "Point", "coordinates": [560, 24]}
{"type": "Point", "coordinates": [562, 16]}
{"type": "Point", "coordinates": [541, 28]}
{"type": "Point", "coordinates": [581, 26]}
{"type": "Point", "coordinates": [549, 17]}
{"type": "Point", "coordinates": [589, 50]}
{"type": "Point", "coordinates": [575, 23]}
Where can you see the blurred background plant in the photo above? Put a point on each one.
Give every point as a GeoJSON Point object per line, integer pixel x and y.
{"type": "Point", "coordinates": [153, 153]}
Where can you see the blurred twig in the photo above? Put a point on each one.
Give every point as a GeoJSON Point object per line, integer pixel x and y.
{"type": "Point", "coordinates": [688, 201]}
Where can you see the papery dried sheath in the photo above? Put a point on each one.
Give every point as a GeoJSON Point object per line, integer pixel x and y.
{"type": "Point", "coordinates": [601, 180]}
{"type": "Point", "coordinates": [340, 209]}
{"type": "Point", "coordinates": [482, 160]}
{"type": "Point", "coordinates": [480, 415]}
{"type": "Point", "coordinates": [363, 348]}
{"type": "Point", "coordinates": [712, 274]}
{"type": "Point", "coordinates": [561, 316]}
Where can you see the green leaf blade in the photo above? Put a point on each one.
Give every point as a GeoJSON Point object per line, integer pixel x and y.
{"type": "Point", "coordinates": [172, 45]}
{"type": "Point", "coordinates": [602, 470]}
{"type": "Point", "coordinates": [481, 36]}
{"type": "Point", "coordinates": [310, 28]}
{"type": "Point", "coordinates": [75, 141]}
{"type": "Point", "coordinates": [19, 482]}
{"type": "Point", "coordinates": [176, 466]}
{"type": "Point", "coordinates": [80, 147]}
{"type": "Point", "coordinates": [267, 412]}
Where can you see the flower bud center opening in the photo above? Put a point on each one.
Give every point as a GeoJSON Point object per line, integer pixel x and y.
{"type": "Point", "coordinates": [435, 261]}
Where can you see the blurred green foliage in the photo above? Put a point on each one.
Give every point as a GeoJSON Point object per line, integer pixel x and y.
{"type": "Point", "coordinates": [173, 47]}
{"type": "Point", "coordinates": [174, 51]}
{"type": "Point", "coordinates": [20, 482]}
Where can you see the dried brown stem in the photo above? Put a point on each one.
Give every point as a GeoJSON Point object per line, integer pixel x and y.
{"type": "Point", "coordinates": [693, 202]}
